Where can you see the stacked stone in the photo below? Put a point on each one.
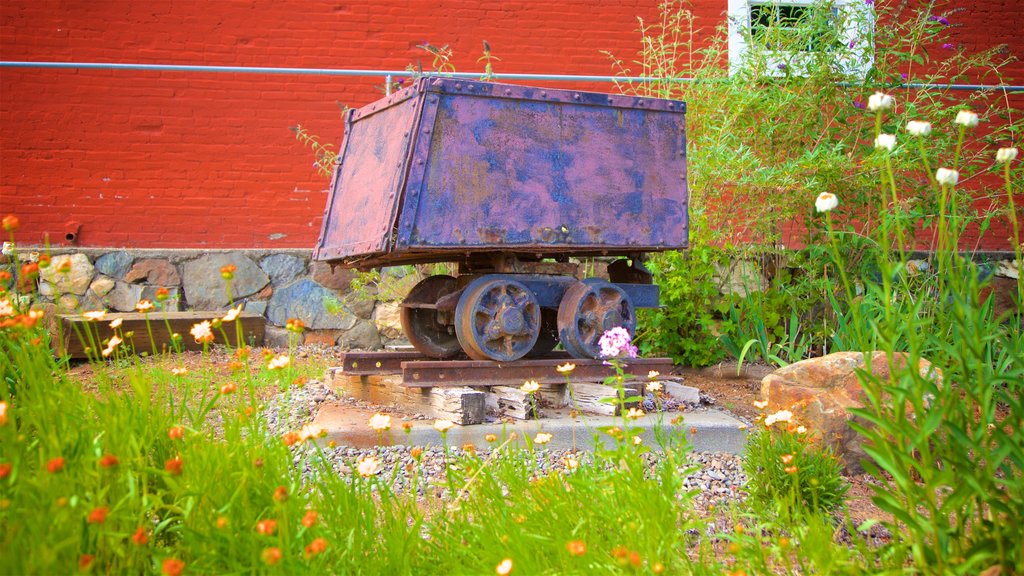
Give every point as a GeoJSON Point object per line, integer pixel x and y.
{"type": "Point", "coordinates": [277, 285]}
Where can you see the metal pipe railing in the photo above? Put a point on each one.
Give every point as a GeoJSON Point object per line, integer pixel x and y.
{"type": "Point", "coordinates": [393, 73]}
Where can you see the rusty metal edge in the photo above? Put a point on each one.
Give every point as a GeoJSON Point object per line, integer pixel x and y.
{"type": "Point", "coordinates": [431, 374]}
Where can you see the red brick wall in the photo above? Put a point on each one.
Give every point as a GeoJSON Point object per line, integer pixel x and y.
{"type": "Point", "coordinates": [175, 159]}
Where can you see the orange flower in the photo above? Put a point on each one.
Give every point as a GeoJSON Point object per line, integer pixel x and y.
{"type": "Point", "coordinates": [55, 465]}
{"type": "Point", "coordinates": [281, 494]}
{"type": "Point", "coordinates": [175, 432]}
{"type": "Point", "coordinates": [222, 523]}
{"type": "Point", "coordinates": [790, 469]}
{"type": "Point", "coordinates": [172, 567]}
{"type": "Point", "coordinates": [491, 438]}
{"type": "Point", "coordinates": [291, 437]}
{"type": "Point", "coordinates": [5, 470]}
{"type": "Point", "coordinates": [44, 260]}
{"type": "Point", "coordinates": [98, 515]}
{"type": "Point", "coordinates": [416, 452]}
{"type": "Point", "coordinates": [294, 325]}
{"type": "Point", "coordinates": [266, 527]}
{"type": "Point", "coordinates": [786, 458]}
{"type": "Point", "coordinates": [30, 269]}
{"type": "Point", "coordinates": [469, 448]}
{"type": "Point", "coordinates": [174, 465]}
{"type": "Point", "coordinates": [228, 272]}
{"type": "Point", "coordinates": [271, 556]}
{"type": "Point", "coordinates": [140, 538]}
{"type": "Point", "coordinates": [317, 546]}
{"type": "Point", "coordinates": [3, 413]}
{"type": "Point", "coordinates": [108, 461]}
{"type": "Point", "coordinates": [635, 560]}
{"type": "Point", "coordinates": [576, 547]}
{"type": "Point", "coordinates": [161, 294]}
{"type": "Point", "coordinates": [235, 366]}
{"type": "Point", "coordinates": [658, 568]}
{"type": "Point", "coordinates": [11, 222]}
{"type": "Point", "coordinates": [85, 560]}
{"type": "Point", "coordinates": [309, 519]}
{"type": "Point", "coordinates": [228, 388]}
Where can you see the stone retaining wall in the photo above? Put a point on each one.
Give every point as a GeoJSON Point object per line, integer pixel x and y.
{"type": "Point", "coordinates": [277, 284]}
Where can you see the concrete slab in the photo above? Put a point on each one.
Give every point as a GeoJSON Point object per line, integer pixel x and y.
{"type": "Point", "coordinates": [708, 431]}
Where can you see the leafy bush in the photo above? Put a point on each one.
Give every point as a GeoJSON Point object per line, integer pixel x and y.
{"type": "Point", "coordinates": [789, 474]}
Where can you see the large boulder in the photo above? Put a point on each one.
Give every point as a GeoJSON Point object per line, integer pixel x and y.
{"type": "Point", "coordinates": [75, 281]}
{"type": "Point", "coordinates": [333, 277]}
{"type": "Point", "coordinates": [305, 300]}
{"type": "Point", "coordinates": [820, 392]}
{"type": "Point", "coordinates": [205, 289]}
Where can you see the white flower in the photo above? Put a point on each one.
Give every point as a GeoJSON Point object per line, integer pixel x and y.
{"type": "Point", "coordinates": [233, 313]}
{"type": "Point", "coordinates": [654, 387]}
{"type": "Point", "coordinates": [368, 466]}
{"type": "Point", "coordinates": [879, 101]}
{"type": "Point", "coordinates": [760, 404]}
{"type": "Point", "coordinates": [826, 201]}
{"type": "Point", "coordinates": [634, 413]}
{"type": "Point", "coordinates": [278, 362]}
{"type": "Point", "coordinates": [443, 426]}
{"type": "Point", "coordinates": [966, 118]}
{"type": "Point", "coordinates": [571, 463]}
{"type": "Point", "coordinates": [919, 128]}
{"type": "Point", "coordinates": [566, 368]}
{"type": "Point", "coordinates": [114, 341]}
{"type": "Point", "coordinates": [202, 331]}
{"type": "Point", "coordinates": [780, 416]}
{"type": "Point", "coordinates": [6, 308]}
{"type": "Point", "coordinates": [8, 249]}
{"type": "Point", "coordinates": [504, 568]}
{"type": "Point", "coordinates": [144, 306]}
{"type": "Point", "coordinates": [542, 438]}
{"type": "Point", "coordinates": [380, 422]}
{"type": "Point", "coordinates": [94, 315]}
{"type": "Point", "coordinates": [1006, 154]}
{"type": "Point", "coordinates": [947, 176]}
{"type": "Point", "coordinates": [310, 431]}
{"type": "Point", "coordinates": [179, 371]}
{"type": "Point", "coordinates": [653, 374]}
{"type": "Point", "coordinates": [637, 440]}
{"type": "Point", "coordinates": [530, 386]}
{"type": "Point", "coordinates": [116, 323]}
{"type": "Point", "coordinates": [801, 429]}
{"type": "Point", "coordinates": [885, 141]}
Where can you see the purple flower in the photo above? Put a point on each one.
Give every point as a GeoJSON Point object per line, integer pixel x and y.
{"type": "Point", "coordinates": [947, 46]}
{"type": "Point", "coordinates": [940, 19]}
{"type": "Point", "coordinates": [616, 343]}
{"type": "Point", "coordinates": [869, 2]}
{"type": "Point", "coordinates": [401, 81]}
{"type": "Point", "coordinates": [853, 42]}
{"type": "Point", "coordinates": [781, 66]}
{"type": "Point", "coordinates": [903, 76]}
{"type": "Point", "coordinates": [859, 105]}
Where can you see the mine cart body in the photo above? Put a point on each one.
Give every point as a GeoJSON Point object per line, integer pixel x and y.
{"type": "Point", "coordinates": [508, 182]}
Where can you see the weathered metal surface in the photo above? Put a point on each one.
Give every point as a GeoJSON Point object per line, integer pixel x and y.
{"type": "Point", "coordinates": [375, 363]}
{"type": "Point", "coordinates": [425, 374]}
{"type": "Point", "coordinates": [497, 318]}
{"type": "Point", "coordinates": [588, 310]}
{"type": "Point", "coordinates": [429, 329]}
{"type": "Point", "coordinates": [447, 168]}
{"type": "Point", "coordinates": [368, 180]}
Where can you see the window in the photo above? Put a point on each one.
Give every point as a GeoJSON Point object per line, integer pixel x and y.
{"type": "Point", "coordinates": [780, 37]}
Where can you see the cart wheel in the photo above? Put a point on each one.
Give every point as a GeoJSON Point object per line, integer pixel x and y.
{"type": "Point", "coordinates": [497, 319]}
{"type": "Point", "coordinates": [588, 310]}
{"type": "Point", "coordinates": [424, 327]}
{"type": "Point", "coordinates": [548, 338]}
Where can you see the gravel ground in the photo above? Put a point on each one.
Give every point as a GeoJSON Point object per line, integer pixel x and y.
{"type": "Point", "coordinates": [718, 477]}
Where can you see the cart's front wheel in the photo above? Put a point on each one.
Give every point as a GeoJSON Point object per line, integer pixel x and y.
{"type": "Point", "coordinates": [497, 318]}
{"type": "Point", "coordinates": [425, 327]}
{"type": "Point", "coordinates": [588, 310]}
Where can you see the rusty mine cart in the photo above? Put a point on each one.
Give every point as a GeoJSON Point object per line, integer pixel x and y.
{"type": "Point", "coordinates": [509, 182]}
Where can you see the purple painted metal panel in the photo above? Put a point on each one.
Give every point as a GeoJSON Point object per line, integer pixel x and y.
{"type": "Point", "coordinates": [495, 167]}
{"type": "Point", "coordinates": [368, 180]}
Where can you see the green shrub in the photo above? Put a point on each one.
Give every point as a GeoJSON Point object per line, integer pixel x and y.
{"type": "Point", "coordinates": [789, 474]}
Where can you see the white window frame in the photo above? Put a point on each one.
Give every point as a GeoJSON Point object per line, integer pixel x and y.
{"type": "Point", "coordinates": [857, 54]}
